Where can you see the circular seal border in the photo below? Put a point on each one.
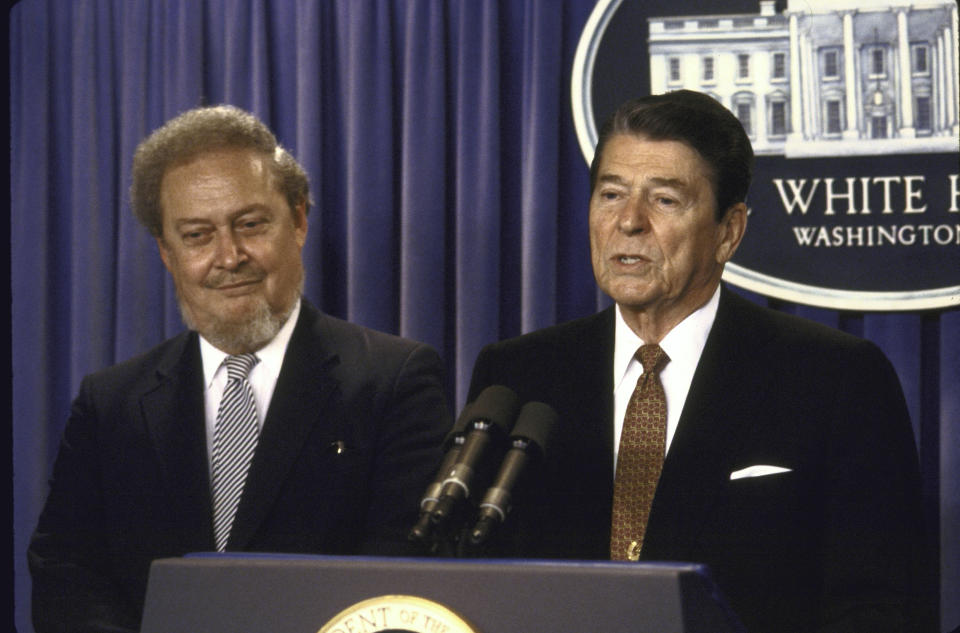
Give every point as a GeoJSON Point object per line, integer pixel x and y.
{"type": "Point", "coordinates": [768, 285]}
{"type": "Point", "coordinates": [581, 79]}
{"type": "Point", "coordinates": [581, 83]}
{"type": "Point", "coordinates": [414, 614]}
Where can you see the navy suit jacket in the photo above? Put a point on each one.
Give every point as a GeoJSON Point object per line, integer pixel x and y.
{"type": "Point", "coordinates": [833, 545]}
{"type": "Point", "coordinates": [350, 440]}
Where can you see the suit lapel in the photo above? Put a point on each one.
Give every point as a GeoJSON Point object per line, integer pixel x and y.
{"type": "Point", "coordinates": [303, 387]}
{"type": "Point", "coordinates": [596, 463]}
{"type": "Point", "coordinates": [583, 475]}
{"type": "Point", "coordinates": [594, 365]}
{"type": "Point", "coordinates": [173, 412]}
{"type": "Point", "coordinates": [711, 430]}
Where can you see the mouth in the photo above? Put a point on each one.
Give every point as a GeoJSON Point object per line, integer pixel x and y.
{"type": "Point", "coordinates": [629, 260]}
{"type": "Point", "coordinates": [236, 286]}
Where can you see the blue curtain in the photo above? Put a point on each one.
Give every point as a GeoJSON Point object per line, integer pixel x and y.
{"type": "Point", "coordinates": [451, 194]}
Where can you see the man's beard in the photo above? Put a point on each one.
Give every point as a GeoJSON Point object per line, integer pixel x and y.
{"type": "Point", "coordinates": [247, 335]}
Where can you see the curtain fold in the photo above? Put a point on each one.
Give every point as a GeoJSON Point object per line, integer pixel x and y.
{"type": "Point", "coordinates": [540, 112]}
{"type": "Point", "coordinates": [371, 217]}
{"type": "Point", "coordinates": [421, 181]}
{"type": "Point", "coordinates": [451, 195]}
{"type": "Point", "coordinates": [475, 175]}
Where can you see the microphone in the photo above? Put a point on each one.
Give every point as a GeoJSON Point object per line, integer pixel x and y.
{"type": "Point", "coordinates": [453, 443]}
{"type": "Point", "coordinates": [491, 416]}
{"type": "Point", "coordinates": [530, 440]}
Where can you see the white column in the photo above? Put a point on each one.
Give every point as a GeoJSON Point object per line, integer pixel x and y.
{"type": "Point", "coordinates": [952, 68]}
{"type": "Point", "coordinates": [943, 82]}
{"type": "Point", "coordinates": [811, 104]}
{"type": "Point", "coordinates": [939, 83]}
{"type": "Point", "coordinates": [851, 125]}
{"type": "Point", "coordinates": [907, 129]}
{"type": "Point", "coordinates": [761, 123]}
{"type": "Point", "coordinates": [658, 78]}
{"type": "Point", "coordinates": [797, 131]}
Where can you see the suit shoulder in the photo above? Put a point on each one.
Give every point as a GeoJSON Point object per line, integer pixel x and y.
{"type": "Point", "coordinates": [536, 363]}
{"type": "Point", "coordinates": [125, 374]}
{"type": "Point", "coordinates": [792, 332]}
{"type": "Point", "coordinates": [361, 346]}
{"type": "Point", "coordinates": [558, 336]}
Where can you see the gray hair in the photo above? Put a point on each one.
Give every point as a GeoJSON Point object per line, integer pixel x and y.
{"type": "Point", "coordinates": [201, 130]}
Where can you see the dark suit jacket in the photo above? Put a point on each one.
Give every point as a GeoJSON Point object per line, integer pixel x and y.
{"type": "Point", "coordinates": [833, 545]}
{"type": "Point", "coordinates": [350, 440]}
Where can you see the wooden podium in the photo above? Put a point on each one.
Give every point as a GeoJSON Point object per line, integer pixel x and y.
{"type": "Point", "coordinates": [224, 593]}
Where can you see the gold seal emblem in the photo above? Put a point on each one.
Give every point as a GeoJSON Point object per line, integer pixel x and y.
{"type": "Point", "coordinates": [396, 613]}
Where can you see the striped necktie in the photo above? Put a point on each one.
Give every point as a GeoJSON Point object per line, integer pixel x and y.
{"type": "Point", "coordinates": [235, 439]}
{"type": "Point", "coordinates": [640, 457]}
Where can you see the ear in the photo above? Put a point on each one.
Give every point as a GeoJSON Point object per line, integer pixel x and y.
{"type": "Point", "coordinates": [164, 252]}
{"type": "Point", "coordinates": [732, 227]}
{"type": "Point", "coordinates": [300, 222]}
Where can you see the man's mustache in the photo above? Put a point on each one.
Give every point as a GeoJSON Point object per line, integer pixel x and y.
{"type": "Point", "coordinates": [227, 278]}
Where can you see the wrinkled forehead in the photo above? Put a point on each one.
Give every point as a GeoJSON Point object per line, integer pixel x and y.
{"type": "Point", "coordinates": [226, 155]}
{"type": "Point", "coordinates": [658, 158]}
{"type": "Point", "coordinates": [217, 177]}
{"type": "Point", "coordinates": [239, 163]}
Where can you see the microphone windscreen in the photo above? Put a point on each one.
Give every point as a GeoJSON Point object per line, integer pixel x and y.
{"type": "Point", "coordinates": [537, 423]}
{"type": "Point", "coordinates": [459, 427]}
{"type": "Point", "coordinates": [497, 405]}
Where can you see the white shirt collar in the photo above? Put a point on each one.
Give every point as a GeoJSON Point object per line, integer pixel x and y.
{"type": "Point", "coordinates": [684, 341]}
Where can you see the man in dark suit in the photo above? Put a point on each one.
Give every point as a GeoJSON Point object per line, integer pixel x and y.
{"type": "Point", "coordinates": [339, 425]}
{"type": "Point", "coordinates": [785, 457]}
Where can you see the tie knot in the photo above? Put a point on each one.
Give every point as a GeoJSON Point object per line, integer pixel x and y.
{"type": "Point", "coordinates": [652, 357]}
{"type": "Point", "coordinates": [240, 365]}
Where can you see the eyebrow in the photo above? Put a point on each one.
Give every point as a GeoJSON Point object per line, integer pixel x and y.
{"type": "Point", "coordinates": [656, 181]}
{"type": "Point", "coordinates": [677, 183]}
{"type": "Point", "coordinates": [611, 178]}
{"type": "Point", "coordinates": [233, 216]}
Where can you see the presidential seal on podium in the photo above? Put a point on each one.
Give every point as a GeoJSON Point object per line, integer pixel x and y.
{"type": "Point", "coordinates": [397, 614]}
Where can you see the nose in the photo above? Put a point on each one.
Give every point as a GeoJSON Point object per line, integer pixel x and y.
{"type": "Point", "coordinates": [634, 216]}
{"type": "Point", "coordinates": [230, 253]}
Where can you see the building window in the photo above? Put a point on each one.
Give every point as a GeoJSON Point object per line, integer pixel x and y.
{"type": "Point", "coordinates": [743, 66]}
{"type": "Point", "coordinates": [877, 66]}
{"type": "Point", "coordinates": [779, 66]}
{"type": "Point", "coordinates": [778, 118]}
{"type": "Point", "coordinates": [924, 117]}
{"type": "Point", "coordinates": [744, 114]}
{"type": "Point", "coordinates": [921, 59]}
{"type": "Point", "coordinates": [831, 64]}
{"type": "Point", "coordinates": [878, 126]}
{"type": "Point", "coordinates": [708, 73]}
{"type": "Point", "coordinates": [834, 124]}
{"type": "Point", "coordinates": [674, 69]}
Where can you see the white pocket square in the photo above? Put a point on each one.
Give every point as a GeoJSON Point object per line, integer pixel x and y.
{"type": "Point", "coordinates": [758, 471]}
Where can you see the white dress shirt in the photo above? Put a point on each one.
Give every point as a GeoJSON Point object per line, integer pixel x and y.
{"type": "Point", "coordinates": [683, 345]}
{"type": "Point", "coordinates": [262, 378]}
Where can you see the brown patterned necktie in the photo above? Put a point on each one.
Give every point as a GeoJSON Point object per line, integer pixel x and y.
{"type": "Point", "coordinates": [640, 458]}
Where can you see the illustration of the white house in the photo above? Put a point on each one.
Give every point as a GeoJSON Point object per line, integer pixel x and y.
{"type": "Point", "coordinates": [825, 77]}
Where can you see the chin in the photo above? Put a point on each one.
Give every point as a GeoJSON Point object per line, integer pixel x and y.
{"type": "Point", "coordinates": [237, 329]}
{"type": "Point", "coordinates": [241, 312]}
{"type": "Point", "coordinates": [632, 295]}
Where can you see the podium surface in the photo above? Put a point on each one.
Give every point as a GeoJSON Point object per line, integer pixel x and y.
{"type": "Point", "coordinates": [302, 594]}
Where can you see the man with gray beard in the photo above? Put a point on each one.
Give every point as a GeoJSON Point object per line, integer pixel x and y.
{"type": "Point", "coordinates": [267, 426]}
